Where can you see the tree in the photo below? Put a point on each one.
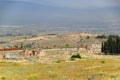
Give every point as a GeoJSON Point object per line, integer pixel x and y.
{"type": "Point", "coordinates": [102, 49]}
{"type": "Point", "coordinates": [112, 45]}
{"type": "Point", "coordinates": [21, 45]}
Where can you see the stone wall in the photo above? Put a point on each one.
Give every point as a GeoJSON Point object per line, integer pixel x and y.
{"type": "Point", "coordinates": [95, 48]}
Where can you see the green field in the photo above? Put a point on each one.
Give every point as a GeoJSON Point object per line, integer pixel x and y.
{"type": "Point", "coordinates": [84, 69]}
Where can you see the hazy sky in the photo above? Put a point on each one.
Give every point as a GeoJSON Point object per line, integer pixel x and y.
{"type": "Point", "coordinates": [76, 4]}
{"type": "Point", "coordinates": [67, 12]}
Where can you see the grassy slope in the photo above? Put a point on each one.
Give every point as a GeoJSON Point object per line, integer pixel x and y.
{"type": "Point", "coordinates": [102, 69]}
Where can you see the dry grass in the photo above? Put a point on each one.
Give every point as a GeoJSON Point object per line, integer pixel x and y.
{"type": "Point", "coordinates": [85, 69]}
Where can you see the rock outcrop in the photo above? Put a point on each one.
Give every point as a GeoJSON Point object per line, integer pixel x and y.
{"type": "Point", "coordinates": [2, 55]}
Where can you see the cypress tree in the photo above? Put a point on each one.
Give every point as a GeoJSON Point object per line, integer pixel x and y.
{"type": "Point", "coordinates": [102, 49]}
{"type": "Point", "coordinates": [112, 45]}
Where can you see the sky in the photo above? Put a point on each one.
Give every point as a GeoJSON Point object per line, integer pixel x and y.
{"type": "Point", "coordinates": [60, 12]}
{"type": "Point", "coordinates": [76, 4]}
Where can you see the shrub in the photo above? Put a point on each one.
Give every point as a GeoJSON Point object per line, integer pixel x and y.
{"type": "Point", "coordinates": [101, 37]}
{"type": "Point", "coordinates": [59, 61]}
{"type": "Point", "coordinates": [75, 56]}
{"type": "Point", "coordinates": [102, 61]}
{"type": "Point", "coordinates": [72, 59]}
{"type": "Point", "coordinates": [67, 45]}
{"type": "Point", "coordinates": [3, 78]}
